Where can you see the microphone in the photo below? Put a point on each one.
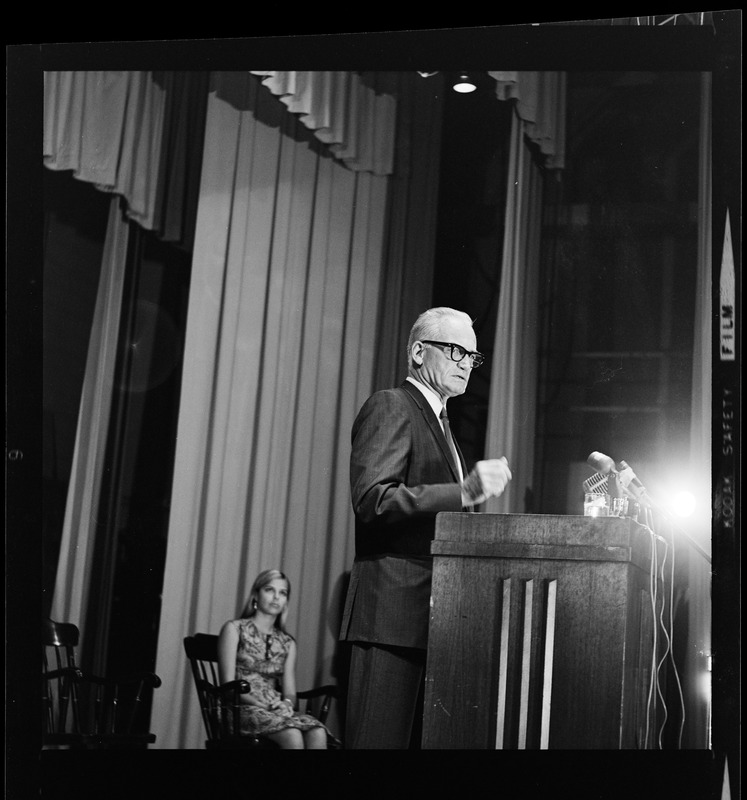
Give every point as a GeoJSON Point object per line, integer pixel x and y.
{"type": "Point", "coordinates": [601, 463]}
{"type": "Point", "coordinates": [596, 484]}
{"type": "Point", "coordinates": [605, 468]}
{"type": "Point", "coordinates": [630, 482]}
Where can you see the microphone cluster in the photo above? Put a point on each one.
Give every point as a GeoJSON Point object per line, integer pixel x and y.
{"type": "Point", "coordinates": [620, 479]}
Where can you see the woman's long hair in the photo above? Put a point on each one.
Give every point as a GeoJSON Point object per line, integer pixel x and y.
{"type": "Point", "coordinates": [262, 580]}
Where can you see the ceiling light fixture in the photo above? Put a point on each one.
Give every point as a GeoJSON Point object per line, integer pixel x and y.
{"type": "Point", "coordinates": [464, 84]}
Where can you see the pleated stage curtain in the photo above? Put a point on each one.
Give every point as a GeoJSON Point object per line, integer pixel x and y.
{"type": "Point", "coordinates": [109, 129]}
{"type": "Point", "coordinates": [512, 408]}
{"type": "Point", "coordinates": [280, 347]}
{"type": "Point", "coordinates": [539, 116]}
{"type": "Point", "coordinates": [71, 596]}
{"type": "Point", "coordinates": [285, 334]}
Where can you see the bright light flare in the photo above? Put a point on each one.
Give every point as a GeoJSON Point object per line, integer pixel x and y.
{"type": "Point", "coordinates": [684, 504]}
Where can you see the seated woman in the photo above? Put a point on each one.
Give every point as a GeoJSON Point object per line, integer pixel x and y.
{"type": "Point", "coordinates": [257, 649]}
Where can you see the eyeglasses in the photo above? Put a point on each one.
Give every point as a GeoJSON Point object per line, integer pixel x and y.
{"type": "Point", "coordinates": [457, 352]}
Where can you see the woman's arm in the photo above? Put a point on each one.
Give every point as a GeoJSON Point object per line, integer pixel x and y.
{"type": "Point", "coordinates": [289, 674]}
{"type": "Point", "coordinates": [228, 645]}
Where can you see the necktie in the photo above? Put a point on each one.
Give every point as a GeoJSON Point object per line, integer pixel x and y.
{"type": "Point", "coordinates": [450, 440]}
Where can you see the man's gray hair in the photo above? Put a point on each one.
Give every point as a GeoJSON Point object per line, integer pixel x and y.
{"type": "Point", "coordinates": [428, 325]}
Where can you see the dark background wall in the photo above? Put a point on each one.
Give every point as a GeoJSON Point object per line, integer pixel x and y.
{"type": "Point", "coordinates": [619, 259]}
{"type": "Point", "coordinates": [75, 219]}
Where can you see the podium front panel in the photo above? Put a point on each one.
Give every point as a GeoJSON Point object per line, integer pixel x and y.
{"type": "Point", "coordinates": [541, 633]}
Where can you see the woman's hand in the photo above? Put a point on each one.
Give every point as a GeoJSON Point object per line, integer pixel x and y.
{"type": "Point", "coordinates": [262, 697]}
{"type": "Point", "coordinates": [283, 707]}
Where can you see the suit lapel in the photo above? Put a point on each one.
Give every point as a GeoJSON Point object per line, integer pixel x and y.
{"type": "Point", "coordinates": [435, 426]}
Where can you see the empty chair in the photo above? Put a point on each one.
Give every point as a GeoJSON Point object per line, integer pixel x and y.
{"type": "Point", "coordinates": [82, 710]}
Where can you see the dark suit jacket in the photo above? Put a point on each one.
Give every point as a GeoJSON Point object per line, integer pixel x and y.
{"type": "Point", "coordinates": [401, 476]}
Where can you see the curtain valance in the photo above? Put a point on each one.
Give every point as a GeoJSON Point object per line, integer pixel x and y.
{"type": "Point", "coordinates": [134, 134]}
{"type": "Point", "coordinates": [107, 127]}
{"type": "Point", "coordinates": [540, 104]}
{"type": "Point", "coordinates": [356, 123]}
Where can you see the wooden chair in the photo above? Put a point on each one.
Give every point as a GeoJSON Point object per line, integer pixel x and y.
{"type": "Point", "coordinates": [88, 711]}
{"type": "Point", "coordinates": [220, 703]}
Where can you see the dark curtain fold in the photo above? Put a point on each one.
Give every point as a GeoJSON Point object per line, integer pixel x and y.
{"type": "Point", "coordinates": [117, 131]}
{"type": "Point", "coordinates": [178, 187]}
{"type": "Point", "coordinates": [407, 282]}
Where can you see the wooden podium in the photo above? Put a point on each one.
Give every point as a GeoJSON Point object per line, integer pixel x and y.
{"type": "Point", "coordinates": [541, 633]}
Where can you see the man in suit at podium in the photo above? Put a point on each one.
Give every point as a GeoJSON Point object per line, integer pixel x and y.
{"type": "Point", "coordinates": [404, 469]}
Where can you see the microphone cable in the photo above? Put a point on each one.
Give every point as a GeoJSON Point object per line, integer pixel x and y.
{"type": "Point", "coordinates": [666, 650]}
{"type": "Point", "coordinates": [668, 633]}
{"type": "Point", "coordinates": [653, 595]}
{"type": "Point", "coordinates": [671, 651]}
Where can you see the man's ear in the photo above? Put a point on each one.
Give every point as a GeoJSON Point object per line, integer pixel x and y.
{"type": "Point", "coordinates": [416, 351]}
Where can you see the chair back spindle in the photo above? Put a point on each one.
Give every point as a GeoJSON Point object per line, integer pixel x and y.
{"type": "Point", "coordinates": [84, 710]}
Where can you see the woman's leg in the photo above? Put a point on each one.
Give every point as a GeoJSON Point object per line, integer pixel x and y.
{"type": "Point", "coordinates": [289, 739]}
{"type": "Point", "coordinates": [315, 739]}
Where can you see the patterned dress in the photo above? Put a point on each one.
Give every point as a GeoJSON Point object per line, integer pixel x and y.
{"type": "Point", "coordinates": [260, 660]}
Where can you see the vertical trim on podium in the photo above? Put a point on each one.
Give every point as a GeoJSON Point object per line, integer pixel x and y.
{"type": "Point", "coordinates": [526, 665]}
{"type": "Point", "coordinates": [500, 724]}
{"type": "Point", "coordinates": [552, 591]}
